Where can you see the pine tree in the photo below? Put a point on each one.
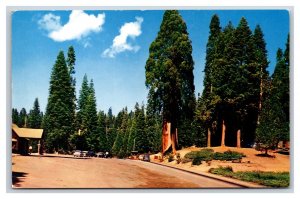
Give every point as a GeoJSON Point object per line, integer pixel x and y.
{"type": "Point", "coordinates": [274, 125]}
{"type": "Point", "coordinates": [261, 59]}
{"type": "Point", "coordinates": [71, 59]}
{"type": "Point", "coordinates": [153, 124]}
{"type": "Point", "coordinates": [271, 125]}
{"type": "Point", "coordinates": [280, 89]}
{"type": "Point", "coordinates": [211, 55]}
{"type": "Point", "coordinates": [15, 116]}
{"type": "Point", "coordinates": [138, 137]}
{"type": "Point", "coordinates": [58, 123]}
{"type": "Point", "coordinates": [169, 73]}
{"type": "Point", "coordinates": [23, 118]}
{"type": "Point", "coordinates": [35, 116]}
{"type": "Point", "coordinates": [118, 148]}
{"type": "Point", "coordinates": [103, 134]}
{"type": "Point", "coordinates": [285, 79]}
{"type": "Point", "coordinates": [71, 62]}
{"type": "Point", "coordinates": [90, 119]}
{"type": "Point", "coordinates": [83, 95]}
{"type": "Point", "coordinates": [110, 129]}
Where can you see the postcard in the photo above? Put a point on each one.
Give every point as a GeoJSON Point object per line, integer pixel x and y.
{"type": "Point", "coordinates": [150, 99]}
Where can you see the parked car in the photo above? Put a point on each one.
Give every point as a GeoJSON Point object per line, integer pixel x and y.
{"type": "Point", "coordinates": [146, 157]}
{"type": "Point", "coordinates": [100, 154]}
{"type": "Point", "coordinates": [78, 153]}
{"type": "Point", "coordinates": [84, 153]}
{"type": "Point", "coordinates": [141, 157]}
{"type": "Point", "coordinates": [107, 155]}
{"type": "Point", "coordinates": [90, 154]}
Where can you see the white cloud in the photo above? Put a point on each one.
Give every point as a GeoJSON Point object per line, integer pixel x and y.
{"type": "Point", "coordinates": [50, 22]}
{"type": "Point", "coordinates": [120, 44]}
{"type": "Point", "coordinates": [80, 25]}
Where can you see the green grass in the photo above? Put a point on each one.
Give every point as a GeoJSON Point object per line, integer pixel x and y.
{"type": "Point", "coordinates": [271, 179]}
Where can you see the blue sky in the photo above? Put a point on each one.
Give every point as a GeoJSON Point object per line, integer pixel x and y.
{"type": "Point", "coordinates": [112, 48]}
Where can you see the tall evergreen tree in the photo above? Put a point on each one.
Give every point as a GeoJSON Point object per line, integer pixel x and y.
{"type": "Point", "coordinates": [280, 89]}
{"type": "Point", "coordinates": [15, 116]}
{"type": "Point", "coordinates": [139, 137]}
{"type": "Point", "coordinates": [58, 123]}
{"type": "Point", "coordinates": [110, 130]}
{"type": "Point", "coordinates": [211, 55]}
{"type": "Point", "coordinates": [71, 63]}
{"type": "Point", "coordinates": [153, 124]}
{"type": "Point", "coordinates": [71, 59]}
{"type": "Point", "coordinates": [234, 75]}
{"type": "Point", "coordinates": [35, 116]}
{"type": "Point", "coordinates": [83, 95]}
{"type": "Point", "coordinates": [118, 148]}
{"type": "Point", "coordinates": [262, 61]}
{"type": "Point", "coordinates": [169, 73]}
{"type": "Point", "coordinates": [23, 118]}
{"type": "Point", "coordinates": [274, 125]}
{"type": "Point", "coordinates": [90, 119]}
{"type": "Point", "coordinates": [103, 134]}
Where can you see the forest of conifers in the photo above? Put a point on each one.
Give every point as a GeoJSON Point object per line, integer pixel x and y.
{"type": "Point", "coordinates": [239, 96]}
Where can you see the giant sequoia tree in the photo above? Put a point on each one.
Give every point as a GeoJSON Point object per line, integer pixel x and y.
{"type": "Point", "coordinates": [235, 72]}
{"type": "Point", "coordinates": [59, 117]}
{"type": "Point", "coordinates": [169, 75]}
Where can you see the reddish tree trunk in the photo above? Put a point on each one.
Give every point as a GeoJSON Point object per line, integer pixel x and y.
{"type": "Point", "coordinates": [223, 133]}
{"type": "Point", "coordinates": [238, 139]}
{"type": "Point", "coordinates": [208, 137]}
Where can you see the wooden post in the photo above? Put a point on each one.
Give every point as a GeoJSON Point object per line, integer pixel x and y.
{"type": "Point", "coordinates": [238, 139]}
{"type": "Point", "coordinates": [223, 134]}
{"type": "Point", "coordinates": [208, 137]}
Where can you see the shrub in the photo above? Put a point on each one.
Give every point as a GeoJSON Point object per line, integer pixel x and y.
{"type": "Point", "coordinates": [197, 161]}
{"type": "Point", "coordinates": [201, 153]}
{"type": "Point", "coordinates": [191, 155]}
{"type": "Point", "coordinates": [218, 156]}
{"type": "Point", "coordinates": [233, 155]}
{"type": "Point", "coordinates": [228, 155]}
{"type": "Point", "coordinates": [198, 156]}
{"type": "Point", "coordinates": [170, 158]}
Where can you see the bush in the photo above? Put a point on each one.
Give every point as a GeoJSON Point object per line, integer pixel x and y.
{"type": "Point", "coordinates": [228, 155]}
{"type": "Point", "coordinates": [233, 155]}
{"type": "Point", "coordinates": [202, 153]}
{"type": "Point", "coordinates": [197, 161]}
{"type": "Point", "coordinates": [208, 154]}
{"type": "Point", "coordinates": [171, 158]}
{"type": "Point", "coordinates": [198, 156]}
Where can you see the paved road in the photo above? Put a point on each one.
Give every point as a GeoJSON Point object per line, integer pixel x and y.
{"type": "Point", "coordinates": [68, 172]}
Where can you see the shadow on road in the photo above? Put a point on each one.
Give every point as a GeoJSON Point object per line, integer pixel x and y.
{"type": "Point", "coordinates": [17, 178]}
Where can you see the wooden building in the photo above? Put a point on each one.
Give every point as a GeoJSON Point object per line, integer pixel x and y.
{"type": "Point", "coordinates": [21, 137]}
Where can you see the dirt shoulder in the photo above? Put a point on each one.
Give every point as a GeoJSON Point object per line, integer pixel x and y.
{"type": "Point", "coordinates": [252, 162]}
